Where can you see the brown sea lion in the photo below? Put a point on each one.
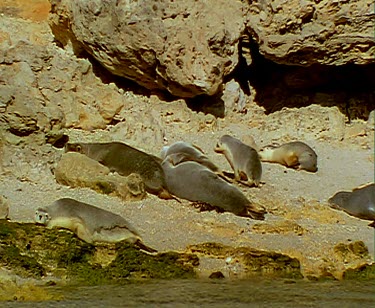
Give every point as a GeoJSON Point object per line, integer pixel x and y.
{"type": "Point", "coordinates": [297, 155]}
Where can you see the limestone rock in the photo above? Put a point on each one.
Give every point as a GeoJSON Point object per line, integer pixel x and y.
{"type": "Point", "coordinates": [46, 89]}
{"type": "Point", "coordinates": [312, 122]}
{"type": "Point", "coordinates": [252, 261]}
{"type": "Point", "coordinates": [350, 252]}
{"type": "Point", "coordinates": [4, 208]}
{"type": "Point", "coordinates": [233, 96]}
{"type": "Point", "coordinates": [370, 125]}
{"type": "Point", "coordinates": [77, 170]}
{"type": "Point", "coordinates": [283, 227]}
{"type": "Point", "coordinates": [32, 251]}
{"type": "Point", "coordinates": [308, 32]}
{"type": "Point", "coordinates": [185, 47]}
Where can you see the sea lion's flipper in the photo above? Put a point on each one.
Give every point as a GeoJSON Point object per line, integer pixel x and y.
{"type": "Point", "coordinates": [204, 206]}
{"type": "Point", "coordinates": [291, 161]}
{"type": "Point", "coordinates": [198, 148]}
{"type": "Point", "coordinates": [258, 215]}
{"type": "Point", "coordinates": [247, 183]}
{"type": "Point", "coordinates": [222, 175]}
{"type": "Point", "coordinates": [255, 212]}
{"type": "Point", "coordinates": [228, 174]}
{"type": "Point", "coordinates": [145, 248]}
{"type": "Point", "coordinates": [166, 195]}
{"type": "Point", "coordinates": [243, 176]}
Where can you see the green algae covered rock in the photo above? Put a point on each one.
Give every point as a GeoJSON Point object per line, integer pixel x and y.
{"type": "Point", "coordinates": [363, 272]}
{"type": "Point", "coordinates": [33, 251]}
{"type": "Point", "coordinates": [254, 261]}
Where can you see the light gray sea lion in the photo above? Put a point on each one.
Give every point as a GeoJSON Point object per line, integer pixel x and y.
{"type": "Point", "coordinates": [124, 159]}
{"type": "Point", "coordinates": [191, 153]}
{"type": "Point", "coordinates": [88, 222]}
{"type": "Point", "coordinates": [359, 203]}
{"type": "Point", "coordinates": [195, 182]}
{"type": "Point", "coordinates": [297, 155]}
{"type": "Point", "coordinates": [243, 159]}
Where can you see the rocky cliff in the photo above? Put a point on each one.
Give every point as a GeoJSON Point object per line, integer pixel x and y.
{"type": "Point", "coordinates": [151, 73]}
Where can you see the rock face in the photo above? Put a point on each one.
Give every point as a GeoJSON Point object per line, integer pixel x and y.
{"type": "Point", "coordinates": [40, 88]}
{"type": "Point", "coordinates": [35, 251]}
{"type": "Point", "coordinates": [4, 208]}
{"type": "Point", "coordinates": [185, 47]}
{"type": "Point", "coordinates": [188, 47]}
{"type": "Point", "coordinates": [253, 261]}
{"type": "Point", "coordinates": [308, 32]}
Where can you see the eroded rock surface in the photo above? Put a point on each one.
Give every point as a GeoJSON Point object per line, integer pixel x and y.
{"type": "Point", "coordinates": [40, 84]}
{"type": "Point", "coordinates": [310, 32]}
{"type": "Point", "coordinates": [34, 251]}
{"type": "Point", "coordinates": [47, 93]}
{"type": "Point", "coordinates": [77, 170]}
{"type": "Point", "coordinates": [185, 47]}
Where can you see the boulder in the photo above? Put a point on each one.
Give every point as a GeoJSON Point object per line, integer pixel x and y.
{"type": "Point", "coordinates": [309, 32]}
{"type": "Point", "coordinates": [78, 170]}
{"type": "Point", "coordinates": [184, 47]}
{"type": "Point", "coordinates": [4, 208]}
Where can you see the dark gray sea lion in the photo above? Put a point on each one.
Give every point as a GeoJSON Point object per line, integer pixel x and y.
{"type": "Point", "coordinates": [243, 159]}
{"type": "Point", "coordinates": [195, 182]}
{"type": "Point", "coordinates": [359, 203]}
{"type": "Point", "coordinates": [88, 222]}
{"type": "Point", "coordinates": [297, 155]}
{"type": "Point", "coordinates": [124, 160]}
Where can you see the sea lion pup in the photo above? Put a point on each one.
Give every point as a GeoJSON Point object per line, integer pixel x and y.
{"type": "Point", "coordinates": [195, 182]}
{"type": "Point", "coordinates": [89, 223]}
{"type": "Point", "coordinates": [297, 155]}
{"type": "Point", "coordinates": [243, 159]}
{"type": "Point", "coordinates": [124, 159]}
{"type": "Point", "coordinates": [191, 153]}
{"type": "Point", "coordinates": [359, 203]}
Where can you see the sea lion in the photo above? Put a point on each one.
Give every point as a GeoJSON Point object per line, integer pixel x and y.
{"type": "Point", "coordinates": [297, 155]}
{"type": "Point", "coordinates": [243, 159]}
{"type": "Point", "coordinates": [359, 203]}
{"type": "Point", "coordinates": [191, 153]}
{"type": "Point", "coordinates": [88, 222]}
{"type": "Point", "coordinates": [124, 159]}
{"type": "Point", "coordinates": [195, 182]}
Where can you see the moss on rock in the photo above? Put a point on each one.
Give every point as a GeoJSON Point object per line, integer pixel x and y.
{"type": "Point", "coordinates": [30, 250]}
{"type": "Point", "coordinates": [363, 272]}
{"type": "Point", "coordinates": [255, 262]}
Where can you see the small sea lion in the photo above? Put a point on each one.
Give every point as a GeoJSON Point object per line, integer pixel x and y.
{"type": "Point", "coordinates": [191, 153]}
{"type": "Point", "coordinates": [195, 182]}
{"type": "Point", "coordinates": [297, 155]}
{"type": "Point", "coordinates": [243, 159]}
{"type": "Point", "coordinates": [124, 159]}
{"type": "Point", "coordinates": [88, 222]}
{"type": "Point", "coordinates": [359, 203]}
